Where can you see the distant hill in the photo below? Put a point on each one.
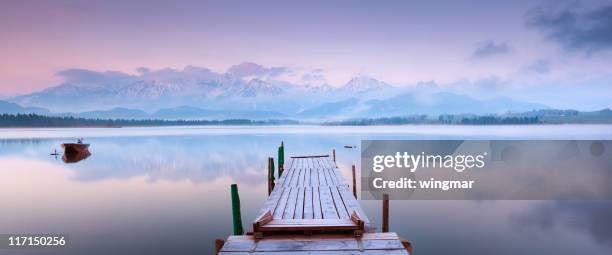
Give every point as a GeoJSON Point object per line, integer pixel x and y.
{"type": "Point", "coordinates": [12, 108]}
{"type": "Point", "coordinates": [417, 103]}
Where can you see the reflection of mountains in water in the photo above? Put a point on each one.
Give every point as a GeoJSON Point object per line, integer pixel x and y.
{"type": "Point", "coordinates": [199, 159]}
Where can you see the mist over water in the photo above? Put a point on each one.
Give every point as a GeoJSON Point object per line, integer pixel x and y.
{"type": "Point", "coordinates": [166, 190]}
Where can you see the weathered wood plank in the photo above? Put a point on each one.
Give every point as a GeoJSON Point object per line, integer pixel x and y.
{"type": "Point", "coordinates": [316, 244]}
{"type": "Point", "coordinates": [299, 204]}
{"type": "Point", "coordinates": [291, 204]}
{"type": "Point", "coordinates": [302, 225]}
{"type": "Point", "coordinates": [322, 179]}
{"type": "Point", "coordinates": [308, 213]}
{"type": "Point", "coordinates": [282, 202]}
{"type": "Point", "coordinates": [286, 179]}
{"type": "Point", "coordinates": [342, 212]}
{"type": "Point", "coordinates": [315, 177]}
{"type": "Point", "coordinates": [351, 203]}
{"type": "Point", "coordinates": [316, 203]}
{"type": "Point", "coordinates": [327, 203]}
{"type": "Point", "coordinates": [328, 178]}
{"type": "Point", "coordinates": [301, 180]}
{"type": "Point", "coordinates": [307, 177]}
{"type": "Point", "coordinates": [314, 237]}
{"type": "Point", "coordinates": [347, 252]}
{"type": "Point", "coordinates": [272, 201]}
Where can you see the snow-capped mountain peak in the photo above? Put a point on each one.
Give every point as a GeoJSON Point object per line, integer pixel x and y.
{"type": "Point", "coordinates": [364, 84]}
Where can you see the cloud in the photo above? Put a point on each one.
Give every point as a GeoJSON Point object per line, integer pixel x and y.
{"type": "Point", "coordinates": [189, 73]}
{"type": "Point", "coordinates": [589, 31]}
{"type": "Point", "coordinates": [591, 217]}
{"type": "Point", "coordinates": [315, 76]}
{"type": "Point", "coordinates": [540, 66]}
{"type": "Point", "coordinates": [490, 48]}
{"type": "Point", "coordinates": [88, 77]}
{"type": "Point", "coordinates": [247, 69]}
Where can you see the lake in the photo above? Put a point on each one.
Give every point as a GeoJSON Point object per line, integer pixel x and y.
{"type": "Point", "coordinates": [165, 190]}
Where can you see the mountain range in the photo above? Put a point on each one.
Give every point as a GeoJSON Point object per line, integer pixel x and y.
{"type": "Point", "coordinates": [198, 93]}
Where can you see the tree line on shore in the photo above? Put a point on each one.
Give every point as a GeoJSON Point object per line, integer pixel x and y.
{"type": "Point", "coordinates": [35, 120]}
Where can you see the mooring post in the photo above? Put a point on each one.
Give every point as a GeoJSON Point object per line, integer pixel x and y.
{"type": "Point", "coordinates": [281, 159]}
{"type": "Point", "coordinates": [354, 183]}
{"type": "Point", "coordinates": [236, 210]}
{"type": "Point", "coordinates": [334, 153]}
{"type": "Point", "coordinates": [385, 217]}
{"type": "Point", "coordinates": [270, 175]}
{"type": "Point", "coordinates": [218, 245]}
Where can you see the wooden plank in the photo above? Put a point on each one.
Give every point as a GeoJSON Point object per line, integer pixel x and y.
{"type": "Point", "coordinates": [291, 204]}
{"type": "Point", "coordinates": [272, 201]}
{"type": "Point", "coordinates": [288, 173]}
{"type": "Point", "coordinates": [282, 202]}
{"type": "Point", "coordinates": [351, 203]}
{"type": "Point", "coordinates": [296, 177]}
{"type": "Point", "coordinates": [314, 237]}
{"type": "Point", "coordinates": [314, 156]}
{"type": "Point", "coordinates": [311, 163]}
{"type": "Point", "coordinates": [303, 225]}
{"type": "Point", "coordinates": [307, 177]}
{"type": "Point", "coordinates": [322, 180]}
{"type": "Point", "coordinates": [342, 212]}
{"type": "Point", "coordinates": [289, 244]}
{"type": "Point", "coordinates": [349, 252]}
{"type": "Point", "coordinates": [328, 179]}
{"type": "Point", "coordinates": [327, 203]}
{"type": "Point", "coordinates": [299, 204]}
{"type": "Point", "coordinates": [301, 179]}
{"type": "Point", "coordinates": [308, 213]}
{"type": "Point", "coordinates": [316, 203]}
{"type": "Point", "coordinates": [296, 172]}
{"type": "Point", "coordinates": [315, 177]}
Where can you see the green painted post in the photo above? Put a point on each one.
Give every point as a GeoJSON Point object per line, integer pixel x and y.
{"type": "Point", "coordinates": [270, 175]}
{"type": "Point", "coordinates": [271, 169]}
{"type": "Point", "coordinates": [236, 211]}
{"type": "Point", "coordinates": [281, 159]}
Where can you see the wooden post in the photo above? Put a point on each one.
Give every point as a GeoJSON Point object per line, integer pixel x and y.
{"type": "Point", "coordinates": [236, 210]}
{"type": "Point", "coordinates": [218, 245]}
{"type": "Point", "coordinates": [281, 159]}
{"type": "Point", "coordinates": [385, 218]}
{"type": "Point", "coordinates": [268, 178]}
{"type": "Point", "coordinates": [334, 153]}
{"type": "Point", "coordinates": [270, 175]}
{"type": "Point", "coordinates": [354, 183]}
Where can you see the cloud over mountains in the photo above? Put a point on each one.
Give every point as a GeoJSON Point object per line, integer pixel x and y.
{"type": "Point", "coordinates": [490, 48]}
{"type": "Point", "coordinates": [589, 30]}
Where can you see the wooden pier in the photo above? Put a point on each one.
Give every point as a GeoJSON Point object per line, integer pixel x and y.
{"type": "Point", "coordinates": [312, 210]}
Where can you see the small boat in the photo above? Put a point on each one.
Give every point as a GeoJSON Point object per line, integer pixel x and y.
{"type": "Point", "coordinates": [349, 146]}
{"type": "Point", "coordinates": [78, 147]}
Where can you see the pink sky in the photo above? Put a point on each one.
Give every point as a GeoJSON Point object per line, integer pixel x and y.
{"type": "Point", "coordinates": [398, 42]}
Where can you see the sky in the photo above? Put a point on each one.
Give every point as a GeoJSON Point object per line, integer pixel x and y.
{"type": "Point", "coordinates": [514, 43]}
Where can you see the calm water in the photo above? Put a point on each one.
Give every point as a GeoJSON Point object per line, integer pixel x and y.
{"type": "Point", "coordinates": [166, 190]}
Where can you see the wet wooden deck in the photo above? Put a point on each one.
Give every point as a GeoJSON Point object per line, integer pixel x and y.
{"type": "Point", "coordinates": [369, 243]}
{"type": "Point", "coordinates": [311, 195]}
{"type": "Point", "coordinates": [312, 210]}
